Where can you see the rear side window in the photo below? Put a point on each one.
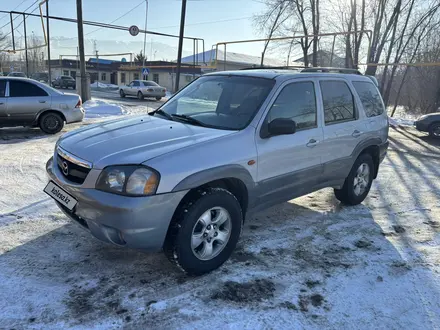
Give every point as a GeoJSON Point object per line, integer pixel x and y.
{"type": "Point", "coordinates": [2, 88]}
{"type": "Point", "coordinates": [297, 102]}
{"type": "Point", "coordinates": [338, 102]}
{"type": "Point", "coordinates": [370, 98]}
{"type": "Point", "coordinates": [24, 89]}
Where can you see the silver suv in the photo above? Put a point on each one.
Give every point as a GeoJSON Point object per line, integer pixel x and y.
{"type": "Point", "coordinates": [229, 144]}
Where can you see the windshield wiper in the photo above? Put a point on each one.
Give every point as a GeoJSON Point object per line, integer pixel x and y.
{"type": "Point", "coordinates": [189, 119]}
{"type": "Point", "coordinates": [163, 113]}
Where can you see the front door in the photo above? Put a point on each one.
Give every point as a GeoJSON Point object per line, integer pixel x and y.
{"type": "Point", "coordinates": [290, 165]}
{"type": "Point", "coordinates": [25, 101]}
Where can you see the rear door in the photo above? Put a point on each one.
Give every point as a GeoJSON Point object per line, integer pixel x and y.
{"type": "Point", "coordinates": [289, 165]}
{"type": "Point", "coordinates": [25, 101]}
{"type": "Point", "coordinates": [3, 103]}
{"type": "Point", "coordinates": [344, 127]}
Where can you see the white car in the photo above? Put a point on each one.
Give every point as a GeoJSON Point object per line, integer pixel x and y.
{"type": "Point", "coordinates": [143, 88]}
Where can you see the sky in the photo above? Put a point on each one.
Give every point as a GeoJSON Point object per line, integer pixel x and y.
{"type": "Point", "coordinates": [212, 20]}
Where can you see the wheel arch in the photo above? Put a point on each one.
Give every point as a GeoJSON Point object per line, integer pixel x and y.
{"type": "Point", "coordinates": [40, 115]}
{"type": "Point", "coordinates": [234, 178]}
{"type": "Point", "coordinates": [372, 148]}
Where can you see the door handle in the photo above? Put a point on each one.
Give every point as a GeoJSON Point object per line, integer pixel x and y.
{"type": "Point", "coordinates": [312, 143]}
{"type": "Point", "coordinates": [42, 101]}
{"type": "Point", "coordinates": [356, 133]}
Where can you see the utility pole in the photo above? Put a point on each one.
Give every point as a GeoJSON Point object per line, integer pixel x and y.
{"type": "Point", "coordinates": [179, 52]}
{"type": "Point", "coordinates": [25, 47]}
{"type": "Point", "coordinates": [82, 58]}
{"type": "Point", "coordinates": [48, 41]}
{"type": "Point", "coordinates": [145, 35]}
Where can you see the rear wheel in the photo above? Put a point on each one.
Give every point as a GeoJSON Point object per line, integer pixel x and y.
{"type": "Point", "coordinates": [121, 93]}
{"type": "Point", "coordinates": [358, 182]}
{"type": "Point", "coordinates": [434, 130]}
{"type": "Point", "coordinates": [205, 231]}
{"type": "Point", "coordinates": [140, 96]}
{"type": "Point", "coordinates": [51, 123]}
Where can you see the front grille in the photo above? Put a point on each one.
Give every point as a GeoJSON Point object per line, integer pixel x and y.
{"type": "Point", "coordinates": [72, 171]}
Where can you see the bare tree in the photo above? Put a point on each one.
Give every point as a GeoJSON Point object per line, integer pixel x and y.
{"type": "Point", "coordinates": [271, 21]}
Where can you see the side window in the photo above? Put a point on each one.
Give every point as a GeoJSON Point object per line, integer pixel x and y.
{"type": "Point", "coordinates": [2, 88]}
{"type": "Point", "coordinates": [338, 101]}
{"type": "Point", "coordinates": [24, 89]}
{"type": "Point", "coordinates": [370, 98]}
{"type": "Point", "coordinates": [135, 83]}
{"type": "Point", "coordinates": [297, 102]}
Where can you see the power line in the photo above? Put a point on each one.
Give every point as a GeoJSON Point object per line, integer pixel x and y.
{"type": "Point", "coordinates": [1, 18]}
{"type": "Point", "coordinates": [128, 12]}
{"type": "Point", "coordinates": [202, 23]}
{"type": "Point", "coordinates": [16, 27]}
{"type": "Point", "coordinates": [18, 16]}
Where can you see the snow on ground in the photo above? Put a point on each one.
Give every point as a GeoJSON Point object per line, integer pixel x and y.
{"type": "Point", "coordinates": [311, 263]}
{"type": "Point", "coordinates": [98, 84]}
{"type": "Point", "coordinates": [402, 117]}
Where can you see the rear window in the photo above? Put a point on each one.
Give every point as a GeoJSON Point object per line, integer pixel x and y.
{"type": "Point", "coordinates": [370, 98]}
{"type": "Point", "coordinates": [150, 83]}
{"type": "Point", "coordinates": [67, 78]}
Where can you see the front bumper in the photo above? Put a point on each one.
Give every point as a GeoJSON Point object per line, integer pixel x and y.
{"type": "Point", "coordinates": [134, 222]}
{"type": "Point", "coordinates": [75, 115]}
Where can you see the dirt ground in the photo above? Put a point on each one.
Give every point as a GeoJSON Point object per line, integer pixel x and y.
{"type": "Point", "coordinates": [310, 263]}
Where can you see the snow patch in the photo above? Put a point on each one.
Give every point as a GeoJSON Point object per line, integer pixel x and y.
{"type": "Point", "coordinates": [98, 108]}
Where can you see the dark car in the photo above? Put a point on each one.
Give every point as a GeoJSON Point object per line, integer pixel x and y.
{"type": "Point", "coordinates": [429, 123]}
{"type": "Point", "coordinates": [64, 82]}
{"type": "Point", "coordinates": [41, 77]}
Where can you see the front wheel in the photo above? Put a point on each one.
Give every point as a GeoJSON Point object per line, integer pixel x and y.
{"type": "Point", "coordinates": [358, 182]}
{"type": "Point", "coordinates": [51, 123]}
{"type": "Point", "coordinates": [434, 130]}
{"type": "Point", "coordinates": [121, 93]}
{"type": "Point", "coordinates": [205, 231]}
{"type": "Point", "coordinates": [140, 96]}
{"type": "Point", "coordinates": [158, 98]}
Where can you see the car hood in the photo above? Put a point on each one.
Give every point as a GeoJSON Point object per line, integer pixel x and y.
{"type": "Point", "coordinates": [133, 140]}
{"type": "Point", "coordinates": [429, 116]}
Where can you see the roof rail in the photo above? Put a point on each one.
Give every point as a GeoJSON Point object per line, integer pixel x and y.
{"type": "Point", "coordinates": [333, 70]}
{"type": "Point", "coordinates": [274, 68]}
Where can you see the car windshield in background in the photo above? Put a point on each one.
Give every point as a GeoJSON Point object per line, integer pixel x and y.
{"type": "Point", "coordinates": [149, 83]}
{"type": "Point", "coordinates": [224, 102]}
{"type": "Point", "coordinates": [67, 78]}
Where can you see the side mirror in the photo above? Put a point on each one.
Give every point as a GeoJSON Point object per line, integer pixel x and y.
{"type": "Point", "coordinates": [281, 126]}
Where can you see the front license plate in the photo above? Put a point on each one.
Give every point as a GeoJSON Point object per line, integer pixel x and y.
{"type": "Point", "coordinates": [60, 195]}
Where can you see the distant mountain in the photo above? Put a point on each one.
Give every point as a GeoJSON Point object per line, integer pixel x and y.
{"type": "Point", "coordinates": [155, 50]}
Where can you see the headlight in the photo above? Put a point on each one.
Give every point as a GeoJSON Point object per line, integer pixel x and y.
{"type": "Point", "coordinates": [128, 180]}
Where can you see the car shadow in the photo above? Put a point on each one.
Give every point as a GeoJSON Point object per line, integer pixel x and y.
{"type": "Point", "coordinates": [302, 247]}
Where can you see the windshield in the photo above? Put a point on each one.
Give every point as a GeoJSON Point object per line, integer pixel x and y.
{"type": "Point", "coordinates": [225, 102]}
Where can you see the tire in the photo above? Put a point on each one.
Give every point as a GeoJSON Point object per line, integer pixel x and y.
{"type": "Point", "coordinates": [121, 93]}
{"type": "Point", "coordinates": [434, 130]}
{"type": "Point", "coordinates": [140, 96]}
{"type": "Point", "coordinates": [186, 225]}
{"type": "Point", "coordinates": [158, 98]}
{"type": "Point", "coordinates": [51, 123]}
{"type": "Point", "coordinates": [354, 191]}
